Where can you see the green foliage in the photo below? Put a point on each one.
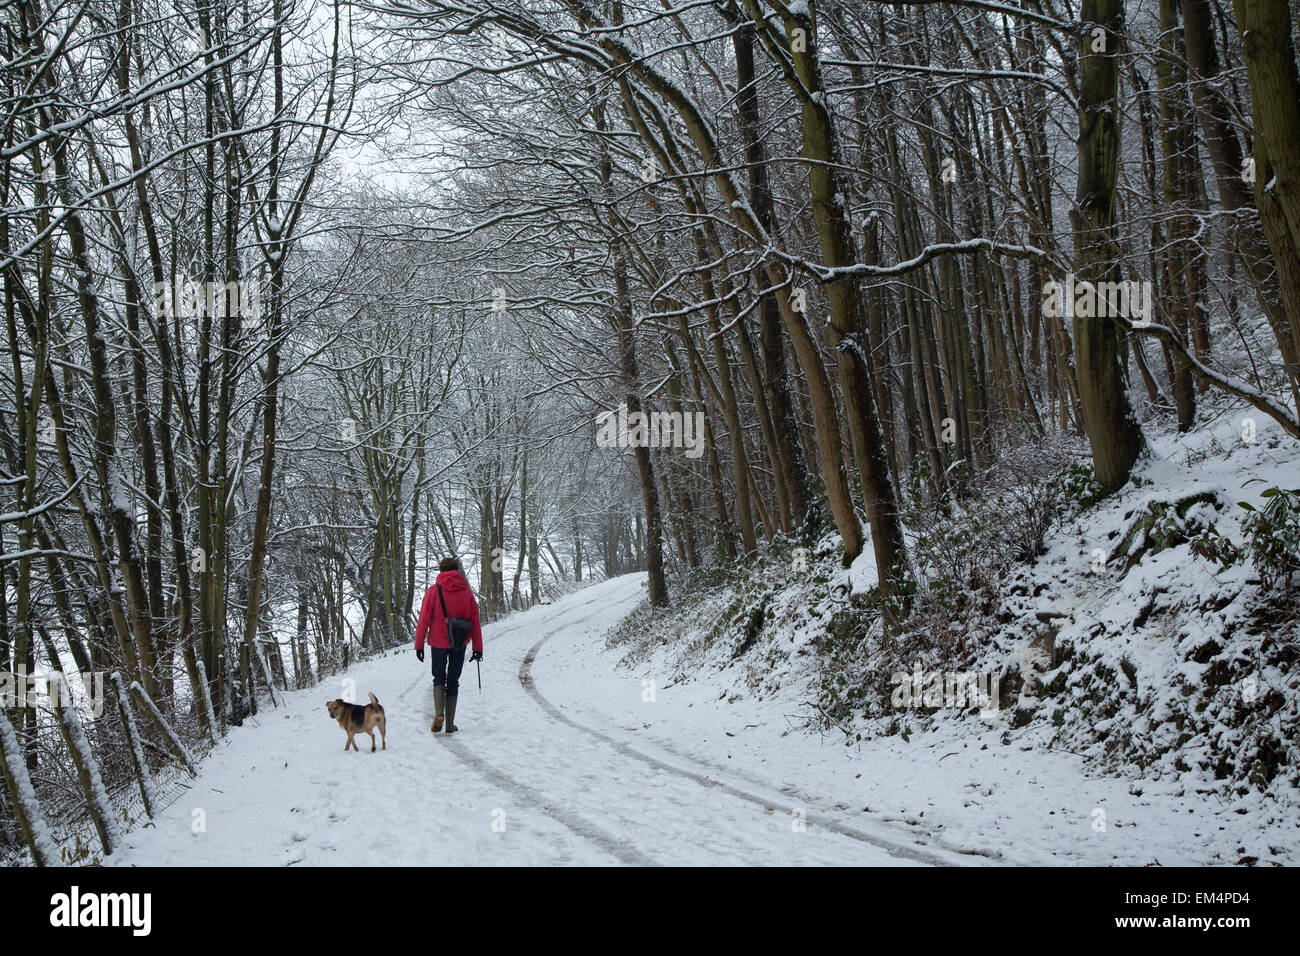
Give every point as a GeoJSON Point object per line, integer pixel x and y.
{"type": "Point", "coordinates": [1273, 535]}
{"type": "Point", "coordinates": [1165, 524]}
{"type": "Point", "coordinates": [818, 520]}
{"type": "Point", "coordinates": [1213, 546]}
{"type": "Point", "coordinates": [752, 617]}
{"type": "Point", "coordinates": [1080, 487]}
{"type": "Point", "coordinates": [844, 691]}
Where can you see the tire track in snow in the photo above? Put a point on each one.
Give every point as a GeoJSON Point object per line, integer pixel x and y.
{"type": "Point", "coordinates": [528, 796]}
{"type": "Point", "coordinates": [710, 778]}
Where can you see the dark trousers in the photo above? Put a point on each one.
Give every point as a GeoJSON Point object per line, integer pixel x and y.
{"type": "Point", "coordinates": [447, 665]}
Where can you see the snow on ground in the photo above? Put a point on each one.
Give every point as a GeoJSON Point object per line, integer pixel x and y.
{"type": "Point", "coordinates": [540, 774]}
{"type": "Point", "coordinates": [971, 793]}
{"type": "Point", "coordinates": [570, 757]}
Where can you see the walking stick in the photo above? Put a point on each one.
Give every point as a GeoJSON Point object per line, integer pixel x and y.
{"type": "Point", "coordinates": [478, 665]}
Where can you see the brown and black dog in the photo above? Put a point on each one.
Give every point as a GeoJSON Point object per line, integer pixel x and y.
{"type": "Point", "coordinates": [356, 718]}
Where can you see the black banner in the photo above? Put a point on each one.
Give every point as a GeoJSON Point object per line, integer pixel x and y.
{"type": "Point", "coordinates": [347, 906]}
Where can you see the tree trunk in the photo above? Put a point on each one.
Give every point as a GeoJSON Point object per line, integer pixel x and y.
{"type": "Point", "coordinates": [1108, 419]}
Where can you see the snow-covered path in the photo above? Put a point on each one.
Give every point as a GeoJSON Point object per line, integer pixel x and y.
{"type": "Point", "coordinates": [538, 775]}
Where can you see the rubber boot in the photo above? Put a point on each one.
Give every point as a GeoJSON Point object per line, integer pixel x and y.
{"type": "Point", "coordinates": [451, 715]}
{"type": "Point", "coordinates": [439, 701]}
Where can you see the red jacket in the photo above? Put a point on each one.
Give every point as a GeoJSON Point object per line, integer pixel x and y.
{"type": "Point", "coordinates": [460, 603]}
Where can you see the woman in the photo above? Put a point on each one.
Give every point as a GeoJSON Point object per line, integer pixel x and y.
{"type": "Point", "coordinates": [450, 597]}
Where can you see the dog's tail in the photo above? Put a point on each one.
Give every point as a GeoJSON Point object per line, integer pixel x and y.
{"type": "Point", "coordinates": [375, 700]}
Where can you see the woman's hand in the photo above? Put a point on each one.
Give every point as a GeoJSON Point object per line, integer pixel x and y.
{"type": "Point", "coordinates": [419, 652]}
{"type": "Point", "coordinates": [476, 656]}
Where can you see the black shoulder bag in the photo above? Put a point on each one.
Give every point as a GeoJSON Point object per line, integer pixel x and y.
{"type": "Point", "coordinates": [458, 629]}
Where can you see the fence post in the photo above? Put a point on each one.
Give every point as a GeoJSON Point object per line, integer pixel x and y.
{"type": "Point", "coordinates": [209, 717]}
{"type": "Point", "coordinates": [266, 676]}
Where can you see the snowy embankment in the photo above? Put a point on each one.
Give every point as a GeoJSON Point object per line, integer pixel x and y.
{"type": "Point", "coordinates": [1148, 701]}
